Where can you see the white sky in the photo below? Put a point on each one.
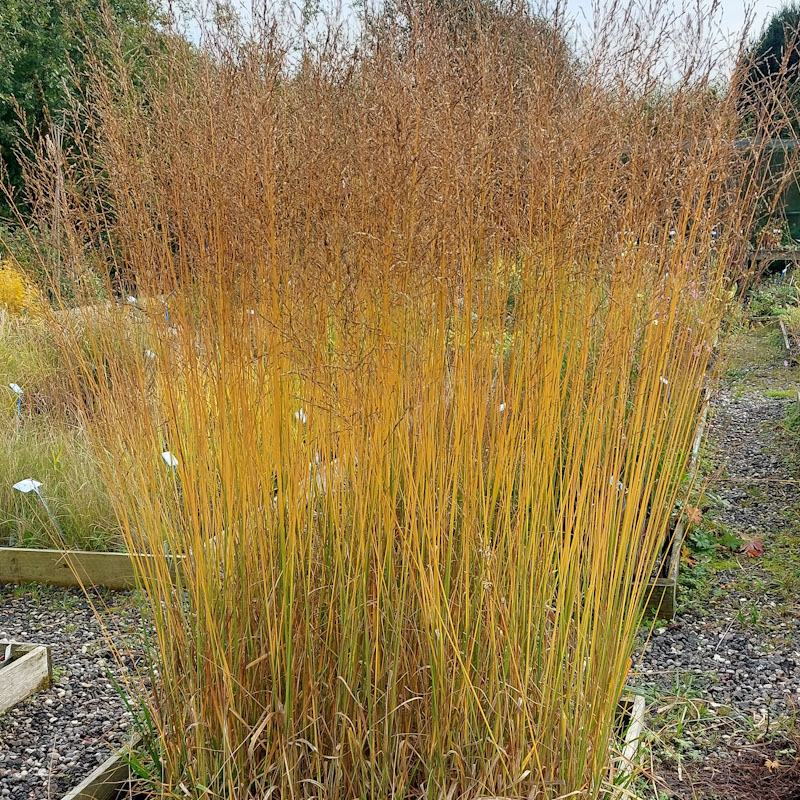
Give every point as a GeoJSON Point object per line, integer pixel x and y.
{"type": "Point", "coordinates": [674, 24]}
{"type": "Point", "coordinates": [733, 13]}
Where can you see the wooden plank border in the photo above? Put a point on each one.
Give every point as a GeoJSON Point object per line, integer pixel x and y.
{"type": "Point", "coordinates": [765, 256]}
{"type": "Point", "coordinates": [662, 593]}
{"type": "Point", "coordinates": [110, 781]}
{"type": "Point", "coordinates": [29, 671]}
{"type": "Point", "coordinates": [66, 567]}
{"type": "Point", "coordinates": [624, 764]}
{"type": "Point", "coordinates": [791, 355]}
{"type": "Point", "coordinates": [71, 568]}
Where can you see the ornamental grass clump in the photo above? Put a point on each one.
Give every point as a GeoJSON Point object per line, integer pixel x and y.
{"type": "Point", "coordinates": [428, 326]}
{"type": "Point", "coordinates": [42, 437]}
{"type": "Point", "coordinates": [17, 294]}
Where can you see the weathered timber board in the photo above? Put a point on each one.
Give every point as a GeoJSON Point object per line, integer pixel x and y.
{"type": "Point", "coordinates": [662, 596]}
{"type": "Point", "coordinates": [66, 568]}
{"type": "Point", "coordinates": [623, 765]}
{"type": "Point", "coordinates": [110, 781]}
{"type": "Point", "coordinates": [29, 671]}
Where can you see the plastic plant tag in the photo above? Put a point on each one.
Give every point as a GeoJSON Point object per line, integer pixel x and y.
{"type": "Point", "coordinates": [131, 299]}
{"type": "Point", "coordinates": [169, 459]}
{"type": "Point", "coordinates": [15, 387]}
{"type": "Point", "coordinates": [28, 485]}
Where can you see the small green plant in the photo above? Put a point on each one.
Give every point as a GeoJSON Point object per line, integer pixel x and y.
{"type": "Point", "coordinates": [791, 420]}
{"type": "Point", "coordinates": [676, 717]}
{"type": "Point", "coordinates": [710, 537]}
{"type": "Point", "coordinates": [701, 540]}
{"type": "Point", "coordinates": [771, 298]}
{"type": "Point", "coordinates": [749, 614]}
{"type": "Point", "coordinates": [709, 547]}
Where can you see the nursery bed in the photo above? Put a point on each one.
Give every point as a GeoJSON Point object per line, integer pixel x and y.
{"type": "Point", "coordinates": [50, 741]}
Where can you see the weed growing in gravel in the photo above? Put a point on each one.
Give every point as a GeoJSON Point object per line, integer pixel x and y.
{"type": "Point", "coordinates": [750, 614]}
{"type": "Point", "coordinates": [678, 715]}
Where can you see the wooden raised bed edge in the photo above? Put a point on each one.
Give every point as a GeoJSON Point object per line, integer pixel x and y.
{"type": "Point", "coordinates": [662, 593]}
{"type": "Point", "coordinates": [767, 254]}
{"type": "Point", "coordinates": [633, 707]}
{"type": "Point", "coordinates": [112, 779]}
{"type": "Point", "coordinates": [791, 355]}
{"type": "Point", "coordinates": [67, 567]}
{"type": "Point", "coordinates": [59, 567]}
{"type": "Point", "coordinates": [30, 670]}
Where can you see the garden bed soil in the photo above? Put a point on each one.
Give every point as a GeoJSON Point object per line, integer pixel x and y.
{"type": "Point", "coordinates": [755, 772]}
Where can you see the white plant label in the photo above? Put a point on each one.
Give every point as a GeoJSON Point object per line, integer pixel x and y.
{"type": "Point", "coordinates": [16, 389]}
{"type": "Point", "coordinates": [170, 459]}
{"type": "Point", "coordinates": [27, 486]}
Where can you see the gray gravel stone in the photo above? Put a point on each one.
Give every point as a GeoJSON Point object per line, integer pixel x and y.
{"type": "Point", "coordinates": [49, 742]}
{"type": "Point", "coordinates": [752, 667]}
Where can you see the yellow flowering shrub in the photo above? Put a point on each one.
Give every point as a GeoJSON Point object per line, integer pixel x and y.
{"type": "Point", "coordinates": [17, 295]}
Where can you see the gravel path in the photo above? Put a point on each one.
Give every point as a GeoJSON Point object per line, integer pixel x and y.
{"type": "Point", "coordinates": [49, 742]}
{"type": "Point", "coordinates": [733, 660]}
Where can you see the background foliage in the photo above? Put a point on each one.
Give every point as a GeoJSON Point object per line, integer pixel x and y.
{"type": "Point", "coordinates": [42, 62]}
